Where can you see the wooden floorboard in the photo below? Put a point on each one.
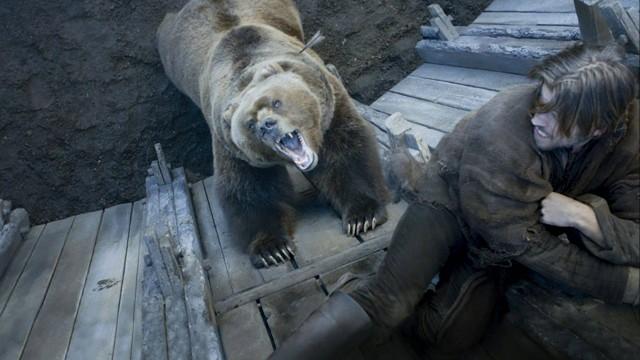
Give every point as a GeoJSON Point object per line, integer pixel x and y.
{"type": "Point", "coordinates": [319, 234]}
{"type": "Point", "coordinates": [287, 309]}
{"type": "Point", "coordinates": [527, 18]}
{"type": "Point", "coordinates": [23, 306]}
{"type": "Point", "coordinates": [10, 278]}
{"type": "Point", "coordinates": [557, 6]}
{"type": "Point", "coordinates": [217, 269]}
{"type": "Point", "coordinates": [241, 272]}
{"type": "Point", "coordinates": [51, 331]}
{"type": "Point", "coordinates": [434, 116]}
{"type": "Point", "coordinates": [126, 311]}
{"type": "Point", "coordinates": [95, 328]}
{"type": "Point", "coordinates": [484, 79]}
{"type": "Point", "coordinates": [440, 92]}
{"type": "Point", "coordinates": [136, 345]}
{"type": "Point", "coordinates": [243, 334]}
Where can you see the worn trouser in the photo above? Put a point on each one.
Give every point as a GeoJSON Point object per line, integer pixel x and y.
{"type": "Point", "coordinates": [425, 238]}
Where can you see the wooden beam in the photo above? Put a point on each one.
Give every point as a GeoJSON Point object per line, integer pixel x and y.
{"type": "Point", "coordinates": [296, 276]}
{"type": "Point", "coordinates": [205, 342]}
{"type": "Point", "coordinates": [439, 20]}
{"type": "Point", "coordinates": [593, 27]}
{"type": "Point", "coordinates": [620, 23]}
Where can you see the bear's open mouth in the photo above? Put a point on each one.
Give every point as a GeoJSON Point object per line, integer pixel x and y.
{"type": "Point", "coordinates": [293, 146]}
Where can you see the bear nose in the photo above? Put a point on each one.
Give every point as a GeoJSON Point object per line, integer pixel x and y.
{"type": "Point", "coordinates": [268, 126]}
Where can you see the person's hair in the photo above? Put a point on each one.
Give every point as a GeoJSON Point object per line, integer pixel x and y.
{"type": "Point", "coordinates": [592, 88]}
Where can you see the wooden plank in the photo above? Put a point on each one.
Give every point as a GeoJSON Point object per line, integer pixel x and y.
{"type": "Point", "coordinates": [154, 336]}
{"type": "Point", "coordinates": [136, 346]}
{"type": "Point", "coordinates": [22, 308]}
{"type": "Point", "coordinates": [378, 241]}
{"type": "Point", "coordinates": [126, 312]}
{"type": "Point", "coordinates": [562, 311]}
{"type": "Point", "coordinates": [454, 95]}
{"type": "Point", "coordinates": [203, 335]}
{"type": "Point", "coordinates": [217, 269]}
{"type": "Point", "coordinates": [434, 116]}
{"type": "Point", "coordinates": [593, 27]}
{"type": "Point", "coordinates": [242, 274]}
{"type": "Point", "coordinates": [319, 234]}
{"type": "Point", "coordinates": [244, 336]}
{"type": "Point", "coordinates": [287, 309]}
{"type": "Point", "coordinates": [502, 54]}
{"type": "Point", "coordinates": [620, 22]}
{"type": "Point", "coordinates": [540, 325]}
{"type": "Point", "coordinates": [545, 6]}
{"type": "Point", "coordinates": [10, 278]}
{"type": "Point", "coordinates": [527, 18]}
{"type": "Point", "coordinates": [95, 327]}
{"type": "Point", "coordinates": [51, 331]}
{"type": "Point", "coordinates": [549, 32]}
{"type": "Point", "coordinates": [484, 79]}
{"type": "Point", "coordinates": [634, 15]}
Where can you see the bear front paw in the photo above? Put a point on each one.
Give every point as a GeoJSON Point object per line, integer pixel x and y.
{"type": "Point", "coordinates": [268, 250]}
{"type": "Point", "coordinates": [364, 217]}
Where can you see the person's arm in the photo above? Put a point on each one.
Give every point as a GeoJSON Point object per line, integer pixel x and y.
{"type": "Point", "coordinates": [607, 236]}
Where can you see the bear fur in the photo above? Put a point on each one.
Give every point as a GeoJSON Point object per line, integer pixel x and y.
{"type": "Point", "coordinates": [268, 104]}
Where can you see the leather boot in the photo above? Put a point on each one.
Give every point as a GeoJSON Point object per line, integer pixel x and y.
{"type": "Point", "coordinates": [331, 331]}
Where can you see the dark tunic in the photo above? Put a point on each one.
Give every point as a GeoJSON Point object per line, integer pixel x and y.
{"type": "Point", "coordinates": [490, 173]}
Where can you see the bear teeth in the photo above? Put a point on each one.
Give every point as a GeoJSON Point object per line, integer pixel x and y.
{"type": "Point", "coordinates": [291, 142]}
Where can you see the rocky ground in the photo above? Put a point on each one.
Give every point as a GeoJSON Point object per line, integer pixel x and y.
{"type": "Point", "coordinates": [84, 96]}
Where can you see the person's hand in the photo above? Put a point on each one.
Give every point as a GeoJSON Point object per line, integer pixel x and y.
{"type": "Point", "coordinates": [560, 210]}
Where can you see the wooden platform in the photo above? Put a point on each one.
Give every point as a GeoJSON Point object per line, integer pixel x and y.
{"type": "Point", "coordinates": [71, 290]}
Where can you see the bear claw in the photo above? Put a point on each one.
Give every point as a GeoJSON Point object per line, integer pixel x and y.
{"type": "Point", "coordinates": [266, 253]}
{"type": "Point", "coordinates": [357, 227]}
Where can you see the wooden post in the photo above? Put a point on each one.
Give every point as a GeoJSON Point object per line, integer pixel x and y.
{"type": "Point", "coordinates": [446, 30]}
{"type": "Point", "coordinates": [620, 23]}
{"type": "Point", "coordinates": [593, 27]}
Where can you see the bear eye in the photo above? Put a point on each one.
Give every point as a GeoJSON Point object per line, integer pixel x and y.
{"type": "Point", "coordinates": [276, 104]}
{"type": "Point", "coordinates": [251, 124]}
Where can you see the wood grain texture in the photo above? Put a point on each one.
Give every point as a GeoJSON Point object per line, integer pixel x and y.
{"type": "Point", "coordinates": [52, 329]}
{"type": "Point", "coordinates": [484, 79]}
{"type": "Point", "coordinates": [22, 308]}
{"type": "Point", "coordinates": [95, 328]}
{"type": "Point", "coordinates": [244, 336]}
{"type": "Point", "coordinates": [18, 264]}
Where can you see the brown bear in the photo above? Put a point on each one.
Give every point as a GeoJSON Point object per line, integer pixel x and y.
{"type": "Point", "coordinates": [270, 103]}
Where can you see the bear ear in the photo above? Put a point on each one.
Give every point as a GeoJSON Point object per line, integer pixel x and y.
{"type": "Point", "coordinates": [267, 70]}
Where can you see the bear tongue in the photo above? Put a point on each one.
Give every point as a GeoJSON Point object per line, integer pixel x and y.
{"type": "Point", "coordinates": [291, 142]}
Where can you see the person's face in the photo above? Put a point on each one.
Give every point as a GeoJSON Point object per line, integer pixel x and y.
{"type": "Point", "coordinates": [546, 129]}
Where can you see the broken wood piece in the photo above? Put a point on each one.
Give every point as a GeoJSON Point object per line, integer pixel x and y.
{"type": "Point", "coordinates": [205, 341]}
{"type": "Point", "coordinates": [620, 22]}
{"type": "Point", "coordinates": [9, 242]}
{"type": "Point", "coordinates": [20, 218]}
{"type": "Point", "coordinates": [401, 137]}
{"type": "Point", "coordinates": [5, 209]}
{"type": "Point", "coordinates": [593, 27]}
{"type": "Point", "coordinates": [162, 163]}
{"type": "Point", "coordinates": [634, 16]}
{"type": "Point", "coordinates": [439, 20]}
